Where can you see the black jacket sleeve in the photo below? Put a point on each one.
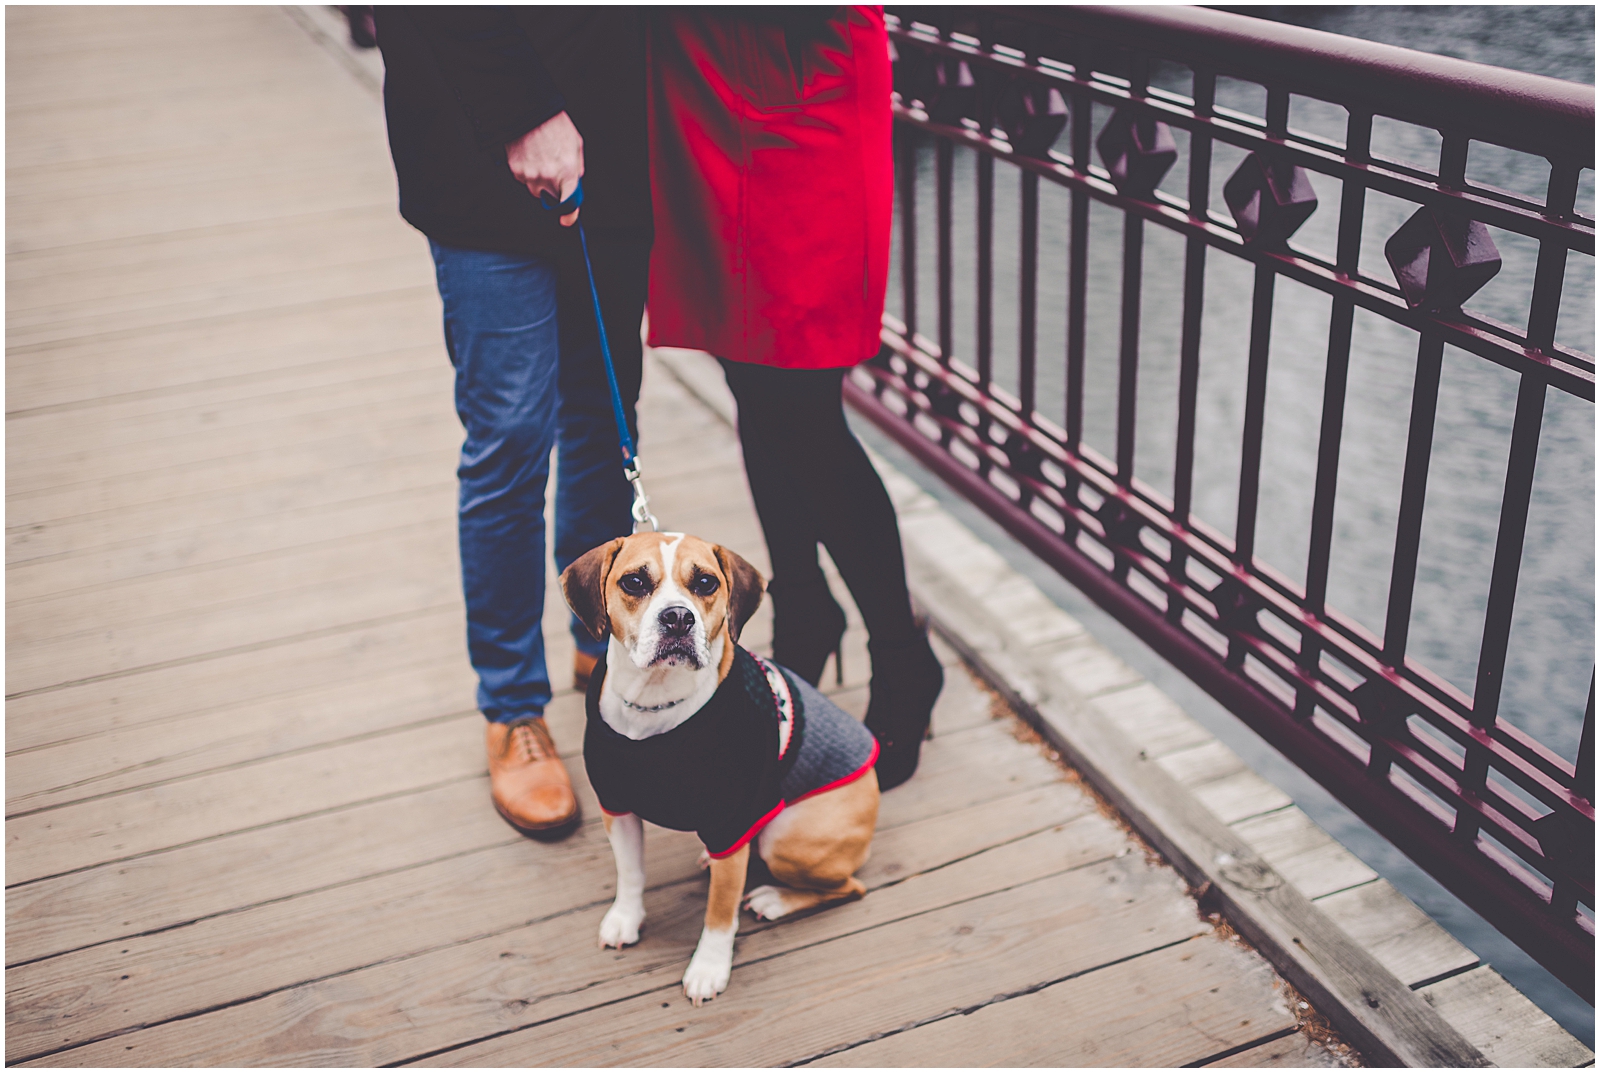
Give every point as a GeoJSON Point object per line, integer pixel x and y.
{"type": "Point", "coordinates": [493, 70]}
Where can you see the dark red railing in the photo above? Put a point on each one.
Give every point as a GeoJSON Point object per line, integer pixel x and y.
{"type": "Point", "coordinates": [1423, 763]}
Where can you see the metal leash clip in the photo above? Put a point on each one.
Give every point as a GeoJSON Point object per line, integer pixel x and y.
{"type": "Point", "coordinates": [630, 456]}
{"type": "Point", "coordinates": [641, 502]}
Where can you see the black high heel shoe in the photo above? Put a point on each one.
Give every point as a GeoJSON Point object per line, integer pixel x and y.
{"type": "Point", "coordinates": [906, 679]}
{"type": "Point", "coordinates": [807, 626]}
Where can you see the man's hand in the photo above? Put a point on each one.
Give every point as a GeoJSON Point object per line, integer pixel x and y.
{"type": "Point", "coordinates": [549, 157]}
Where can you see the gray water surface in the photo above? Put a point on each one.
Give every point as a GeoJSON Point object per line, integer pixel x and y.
{"type": "Point", "coordinates": [1551, 656]}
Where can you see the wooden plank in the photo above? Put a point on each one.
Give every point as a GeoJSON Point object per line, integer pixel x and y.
{"type": "Point", "coordinates": [215, 547]}
{"type": "Point", "coordinates": [351, 279]}
{"type": "Point", "coordinates": [1304, 853]}
{"type": "Point", "coordinates": [124, 825]}
{"type": "Point", "coordinates": [156, 270]}
{"type": "Point", "coordinates": [166, 356]}
{"type": "Point", "coordinates": [204, 878]}
{"type": "Point", "coordinates": [1402, 937]}
{"type": "Point", "coordinates": [215, 687]}
{"type": "Point", "coordinates": [1377, 1012]}
{"type": "Point", "coordinates": [184, 487]}
{"type": "Point", "coordinates": [1298, 1051]}
{"type": "Point", "coordinates": [1222, 783]}
{"type": "Point", "coordinates": [90, 993]}
{"type": "Point", "coordinates": [161, 525]}
{"type": "Point", "coordinates": [780, 1010]}
{"type": "Point", "coordinates": [439, 907]}
{"type": "Point", "coordinates": [206, 409]}
{"type": "Point", "coordinates": [1170, 1007]}
{"type": "Point", "coordinates": [189, 883]}
{"type": "Point", "coordinates": [428, 541]}
{"type": "Point", "coordinates": [1500, 1020]}
{"type": "Point", "coordinates": [1148, 716]}
{"type": "Point", "coordinates": [252, 731]}
{"type": "Point", "coordinates": [305, 609]}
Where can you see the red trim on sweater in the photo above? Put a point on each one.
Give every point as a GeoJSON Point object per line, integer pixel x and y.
{"type": "Point", "coordinates": [614, 815]}
{"type": "Point", "coordinates": [852, 777]}
{"type": "Point", "coordinates": [755, 829]}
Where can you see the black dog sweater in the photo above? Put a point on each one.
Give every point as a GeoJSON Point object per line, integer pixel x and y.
{"type": "Point", "coordinates": [764, 740]}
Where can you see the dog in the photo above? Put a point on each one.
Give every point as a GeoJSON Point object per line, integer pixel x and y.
{"type": "Point", "coordinates": [690, 731]}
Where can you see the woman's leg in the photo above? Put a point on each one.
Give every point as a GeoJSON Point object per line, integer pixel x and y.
{"type": "Point", "coordinates": [811, 480]}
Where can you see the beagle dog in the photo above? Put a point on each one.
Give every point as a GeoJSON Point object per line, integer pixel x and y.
{"type": "Point", "coordinates": [690, 731]}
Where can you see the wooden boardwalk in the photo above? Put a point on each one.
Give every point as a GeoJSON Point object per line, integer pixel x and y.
{"type": "Point", "coordinates": [247, 812]}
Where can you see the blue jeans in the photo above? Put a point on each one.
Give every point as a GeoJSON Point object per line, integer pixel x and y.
{"type": "Point", "coordinates": [520, 332]}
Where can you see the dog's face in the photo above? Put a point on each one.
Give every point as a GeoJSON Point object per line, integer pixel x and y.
{"type": "Point", "coordinates": [665, 597]}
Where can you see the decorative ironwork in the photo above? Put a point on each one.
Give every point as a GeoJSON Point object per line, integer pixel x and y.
{"type": "Point", "coordinates": [1138, 151]}
{"type": "Point", "coordinates": [1500, 819]}
{"type": "Point", "coordinates": [1269, 200]}
{"type": "Point", "coordinates": [1441, 259]}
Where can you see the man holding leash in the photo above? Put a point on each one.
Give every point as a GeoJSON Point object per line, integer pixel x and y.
{"type": "Point", "coordinates": [488, 108]}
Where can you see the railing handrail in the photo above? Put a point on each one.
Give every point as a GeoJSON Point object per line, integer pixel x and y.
{"type": "Point", "coordinates": [1527, 112]}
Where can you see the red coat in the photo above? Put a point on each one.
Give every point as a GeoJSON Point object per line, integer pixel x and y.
{"type": "Point", "coordinates": [772, 193]}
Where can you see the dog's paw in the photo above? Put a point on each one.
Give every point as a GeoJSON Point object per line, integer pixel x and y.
{"type": "Point", "coordinates": [767, 902]}
{"type": "Point", "coordinates": [703, 861]}
{"type": "Point", "coordinates": [711, 965]}
{"type": "Point", "coordinates": [620, 927]}
{"type": "Point", "coordinates": [706, 978]}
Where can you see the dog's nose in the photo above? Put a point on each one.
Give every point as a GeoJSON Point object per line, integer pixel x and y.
{"type": "Point", "coordinates": [677, 621]}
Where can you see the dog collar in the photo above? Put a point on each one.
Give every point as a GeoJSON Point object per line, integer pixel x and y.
{"type": "Point", "coordinates": [653, 707]}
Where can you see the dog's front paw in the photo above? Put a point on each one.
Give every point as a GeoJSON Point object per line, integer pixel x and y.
{"type": "Point", "coordinates": [620, 927]}
{"type": "Point", "coordinates": [705, 981]}
{"type": "Point", "coordinates": [767, 903]}
{"type": "Point", "coordinates": [707, 976]}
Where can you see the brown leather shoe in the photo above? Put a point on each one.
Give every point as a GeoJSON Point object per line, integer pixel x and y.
{"type": "Point", "coordinates": [582, 670]}
{"type": "Point", "coordinates": [528, 781]}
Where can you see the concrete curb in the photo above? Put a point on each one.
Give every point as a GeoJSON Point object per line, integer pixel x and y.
{"type": "Point", "coordinates": [1399, 987]}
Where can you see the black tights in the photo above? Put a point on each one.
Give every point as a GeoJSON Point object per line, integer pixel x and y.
{"type": "Point", "coordinates": [812, 483]}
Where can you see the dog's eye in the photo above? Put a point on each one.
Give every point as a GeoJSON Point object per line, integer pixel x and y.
{"type": "Point", "coordinates": [635, 584]}
{"type": "Point", "coordinates": [704, 585]}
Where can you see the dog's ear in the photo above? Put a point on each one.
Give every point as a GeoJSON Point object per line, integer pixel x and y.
{"type": "Point", "coordinates": [745, 588]}
{"type": "Point", "coordinates": [584, 585]}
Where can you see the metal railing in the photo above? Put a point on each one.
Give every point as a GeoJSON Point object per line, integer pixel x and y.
{"type": "Point", "coordinates": [1500, 819]}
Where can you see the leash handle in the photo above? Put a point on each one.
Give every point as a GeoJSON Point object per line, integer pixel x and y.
{"type": "Point", "coordinates": [630, 456]}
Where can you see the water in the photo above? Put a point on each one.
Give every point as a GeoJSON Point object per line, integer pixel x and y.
{"type": "Point", "coordinates": [1551, 656]}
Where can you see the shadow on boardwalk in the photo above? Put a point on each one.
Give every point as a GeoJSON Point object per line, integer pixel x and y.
{"type": "Point", "coordinates": [247, 813]}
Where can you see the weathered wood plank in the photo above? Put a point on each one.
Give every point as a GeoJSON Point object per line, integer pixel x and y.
{"type": "Point", "coordinates": [270, 533]}
{"type": "Point", "coordinates": [1377, 1011]}
{"type": "Point", "coordinates": [58, 321]}
{"type": "Point", "coordinates": [77, 446]}
{"type": "Point", "coordinates": [203, 408]}
{"type": "Point", "coordinates": [170, 886]}
{"type": "Point", "coordinates": [125, 825]}
{"type": "Point", "coordinates": [1170, 1007]}
{"type": "Point", "coordinates": [1500, 1020]}
{"type": "Point", "coordinates": [1298, 1051]}
{"type": "Point", "coordinates": [364, 591]}
{"type": "Point", "coordinates": [1148, 716]}
{"type": "Point", "coordinates": [1403, 938]}
{"type": "Point", "coordinates": [1222, 783]}
{"type": "Point", "coordinates": [161, 525]}
{"type": "Point", "coordinates": [1304, 853]}
{"type": "Point", "coordinates": [210, 589]}
{"type": "Point", "coordinates": [488, 894]}
{"type": "Point", "coordinates": [216, 686]}
{"type": "Point", "coordinates": [780, 1010]}
{"type": "Point", "coordinates": [140, 756]}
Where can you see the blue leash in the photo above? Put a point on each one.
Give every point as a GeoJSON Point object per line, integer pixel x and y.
{"type": "Point", "coordinates": [630, 456]}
